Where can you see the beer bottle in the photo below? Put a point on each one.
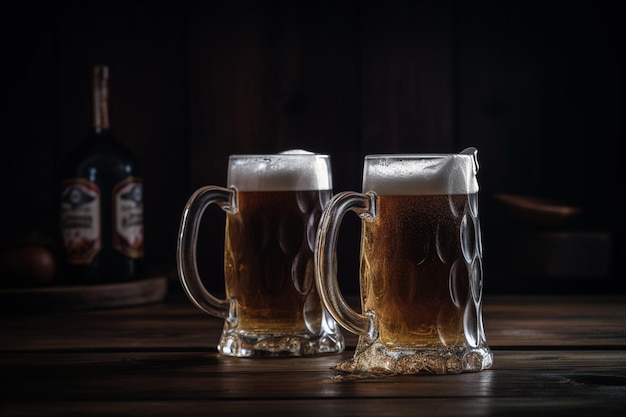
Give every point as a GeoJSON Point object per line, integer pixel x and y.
{"type": "Point", "coordinates": [101, 213]}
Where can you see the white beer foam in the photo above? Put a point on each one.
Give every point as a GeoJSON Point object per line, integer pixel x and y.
{"type": "Point", "coordinates": [286, 171]}
{"type": "Point", "coordinates": [421, 174]}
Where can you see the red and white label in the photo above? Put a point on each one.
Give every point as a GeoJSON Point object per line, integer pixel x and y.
{"type": "Point", "coordinates": [128, 217]}
{"type": "Point", "coordinates": [80, 220]}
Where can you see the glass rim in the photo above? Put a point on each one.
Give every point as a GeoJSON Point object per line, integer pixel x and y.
{"type": "Point", "coordinates": [400, 156]}
{"type": "Point", "coordinates": [278, 155]}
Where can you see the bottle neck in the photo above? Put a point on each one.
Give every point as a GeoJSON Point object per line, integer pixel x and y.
{"type": "Point", "coordinates": [100, 97]}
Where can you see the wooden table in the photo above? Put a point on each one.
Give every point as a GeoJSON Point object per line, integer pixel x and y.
{"type": "Point", "coordinates": [552, 356]}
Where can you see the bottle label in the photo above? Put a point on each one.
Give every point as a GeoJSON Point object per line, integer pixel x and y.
{"type": "Point", "coordinates": [80, 220]}
{"type": "Point", "coordinates": [128, 217]}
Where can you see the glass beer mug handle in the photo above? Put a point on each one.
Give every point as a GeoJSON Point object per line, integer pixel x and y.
{"type": "Point", "coordinates": [326, 260]}
{"type": "Point", "coordinates": [187, 245]}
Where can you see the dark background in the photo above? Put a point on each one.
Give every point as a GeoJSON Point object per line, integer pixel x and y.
{"type": "Point", "coordinates": [537, 87]}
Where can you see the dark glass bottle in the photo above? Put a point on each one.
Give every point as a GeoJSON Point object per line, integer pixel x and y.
{"type": "Point", "coordinates": [101, 202]}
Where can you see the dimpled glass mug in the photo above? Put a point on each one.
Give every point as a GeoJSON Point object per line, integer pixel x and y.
{"type": "Point", "coordinates": [421, 266]}
{"type": "Point", "coordinates": [273, 204]}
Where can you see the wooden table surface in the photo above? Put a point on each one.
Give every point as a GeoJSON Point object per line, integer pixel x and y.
{"type": "Point", "coordinates": [552, 356]}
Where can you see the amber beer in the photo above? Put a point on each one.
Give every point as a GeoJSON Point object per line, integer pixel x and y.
{"type": "Point", "coordinates": [269, 260]}
{"type": "Point", "coordinates": [413, 260]}
{"type": "Point", "coordinates": [421, 265]}
{"type": "Point", "coordinates": [273, 204]}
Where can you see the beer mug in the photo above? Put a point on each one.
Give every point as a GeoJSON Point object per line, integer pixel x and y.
{"type": "Point", "coordinates": [420, 266]}
{"type": "Point", "coordinates": [273, 204]}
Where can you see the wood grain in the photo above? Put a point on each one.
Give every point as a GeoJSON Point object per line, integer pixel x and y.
{"type": "Point", "coordinates": [83, 297]}
{"type": "Point", "coordinates": [552, 356]}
